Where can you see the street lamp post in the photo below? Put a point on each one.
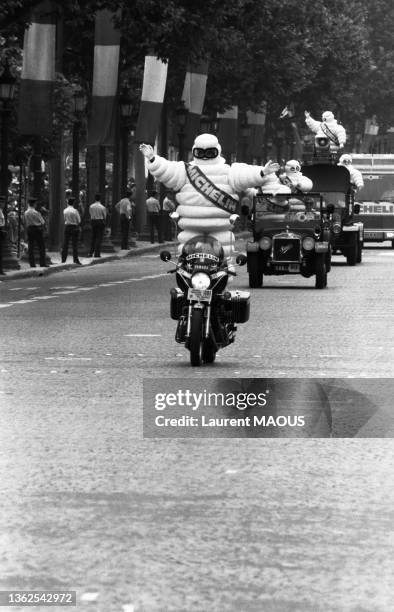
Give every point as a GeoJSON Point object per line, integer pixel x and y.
{"type": "Point", "coordinates": [7, 90]}
{"type": "Point", "coordinates": [126, 110]}
{"type": "Point", "coordinates": [209, 125]}
{"type": "Point", "coordinates": [246, 131]}
{"type": "Point", "coordinates": [79, 105]}
{"type": "Point", "coordinates": [181, 113]}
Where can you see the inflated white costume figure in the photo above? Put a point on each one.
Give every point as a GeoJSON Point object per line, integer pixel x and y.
{"type": "Point", "coordinates": [293, 177]}
{"type": "Point", "coordinates": [207, 189]}
{"type": "Point", "coordinates": [329, 127]}
{"type": "Point", "coordinates": [356, 178]}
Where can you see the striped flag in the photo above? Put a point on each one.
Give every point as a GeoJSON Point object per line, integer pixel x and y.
{"type": "Point", "coordinates": [38, 72]}
{"type": "Point", "coordinates": [228, 131]}
{"type": "Point", "coordinates": [153, 90]}
{"type": "Point", "coordinates": [257, 124]}
{"type": "Point", "coordinates": [193, 96]}
{"type": "Point", "coordinates": [101, 126]}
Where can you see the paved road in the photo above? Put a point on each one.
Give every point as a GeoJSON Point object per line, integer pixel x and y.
{"type": "Point", "coordinates": [188, 524]}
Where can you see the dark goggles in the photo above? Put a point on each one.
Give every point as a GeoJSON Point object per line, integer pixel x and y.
{"type": "Point", "coordinates": [205, 153]}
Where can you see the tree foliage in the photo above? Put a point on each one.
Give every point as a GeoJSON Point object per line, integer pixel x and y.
{"type": "Point", "coordinates": [318, 55]}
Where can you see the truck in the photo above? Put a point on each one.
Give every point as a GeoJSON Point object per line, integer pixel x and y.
{"type": "Point", "coordinates": [333, 182]}
{"type": "Point", "coordinates": [376, 198]}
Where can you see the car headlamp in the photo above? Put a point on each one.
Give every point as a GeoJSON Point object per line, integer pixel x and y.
{"type": "Point", "coordinates": [200, 280]}
{"type": "Point", "coordinates": [308, 244]}
{"type": "Point", "coordinates": [265, 243]}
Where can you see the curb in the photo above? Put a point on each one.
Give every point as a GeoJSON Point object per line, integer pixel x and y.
{"type": "Point", "coordinates": [55, 268]}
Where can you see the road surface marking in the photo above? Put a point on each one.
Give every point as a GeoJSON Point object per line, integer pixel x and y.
{"type": "Point", "coordinates": [89, 596]}
{"type": "Point", "coordinates": [68, 358]}
{"type": "Point", "coordinates": [22, 288]}
{"type": "Point", "coordinates": [142, 335]}
{"type": "Point", "coordinates": [76, 290]}
{"type": "Point", "coordinates": [65, 287]}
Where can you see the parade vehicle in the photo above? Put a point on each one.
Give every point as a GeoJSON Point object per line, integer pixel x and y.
{"type": "Point", "coordinates": [207, 313]}
{"type": "Point", "coordinates": [290, 240]}
{"type": "Point", "coordinates": [333, 183]}
{"type": "Point", "coordinates": [376, 198]}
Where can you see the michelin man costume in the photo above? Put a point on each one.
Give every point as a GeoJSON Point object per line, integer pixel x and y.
{"type": "Point", "coordinates": [293, 177]}
{"type": "Point", "coordinates": [329, 127]}
{"type": "Point", "coordinates": [356, 178]}
{"type": "Point", "coordinates": [207, 189]}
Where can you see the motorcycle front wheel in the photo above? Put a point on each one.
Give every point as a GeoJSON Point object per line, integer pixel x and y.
{"type": "Point", "coordinates": [208, 352]}
{"type": "Point", "coordinates": [195, 345]}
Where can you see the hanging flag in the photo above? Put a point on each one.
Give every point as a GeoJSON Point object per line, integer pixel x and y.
{"type": "Point", "coordinates": [228, 131]}
{"type": "Point", "coordinates": [288, 112]}
{"type": "Point", "coordinates": [38, 72]}
{"type": "Point", "coordinates": [153, 90]}
{"type": "Point", "coordinates": [257, 124]}
{"type": "Point", "coordinates": [193, 96]}
{"type": "Point", "coordinates": [101, 126]}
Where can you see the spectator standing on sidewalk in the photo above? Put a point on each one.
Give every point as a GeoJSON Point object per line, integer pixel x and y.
{"type": "Point", "coordinates": [72, 222]}
{"type": "Point", "coordinates": [98, 215]}
{"type": "Point", "coordinates": [168, 208]}
{"type": "Point", "coordinates": [34, 224]}
{"type": "Point", "coordinates": [2, 235]}
{"type": "Point", "coordinates": [153, 210]}
{"type": "Point", "coordinates": [125, 209]}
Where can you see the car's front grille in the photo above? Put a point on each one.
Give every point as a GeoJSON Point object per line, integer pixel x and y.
{"type": "Point", "coordinates": [286, 249]}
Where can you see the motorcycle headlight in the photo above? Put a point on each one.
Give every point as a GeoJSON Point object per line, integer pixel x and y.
{"type": "Point", "coordinates": [265, 243]}
{"type": "Point", "coordinates": [200, 280]}
{"type": "Point", "coordinates": [336, 228]}
{"type": "Point", "coordinates": [308, 243]}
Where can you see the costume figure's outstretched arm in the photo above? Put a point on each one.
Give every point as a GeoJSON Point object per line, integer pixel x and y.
{"type": "Point", "coordinates": [171, 173]}
{"type": "Point", "coordinates": [243, 176]}
{"type": "Point", "coordinates": [312, 123]}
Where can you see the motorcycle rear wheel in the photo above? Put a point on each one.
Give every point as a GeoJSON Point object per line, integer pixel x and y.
{"type": "Point", "coordinates": [196, 340]}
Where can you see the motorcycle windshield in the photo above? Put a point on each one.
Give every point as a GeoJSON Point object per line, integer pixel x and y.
{"type": "Point", "coordinates": [203, 253]}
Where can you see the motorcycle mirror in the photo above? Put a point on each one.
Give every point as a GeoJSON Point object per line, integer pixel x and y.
{"type": "Point", "coordinates": [357, 209]}
{"type": "Point", "coordinates": [241, 260]}
{"type": "Point", "coordinates": [330, 209]}
{"type": "Point", "coordinates": [165, 255]}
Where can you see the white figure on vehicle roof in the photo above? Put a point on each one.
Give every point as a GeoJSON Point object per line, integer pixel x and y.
{"type": "Point", "coordinates": [328, 127]}
{"type": "Point", "coordinates": [356, 178]}
{"type": "Point", "coordinates": [207, 189]}
{"type": "Point", "coordinates": [293, 177]}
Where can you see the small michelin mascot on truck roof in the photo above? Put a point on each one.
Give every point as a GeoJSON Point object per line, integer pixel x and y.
{"type": "Point", "coordinates": [328, 127]}
{"type": "Point", "coordinates": [207, 189]}
{"type": "Point", "coordinates": [356, 178]}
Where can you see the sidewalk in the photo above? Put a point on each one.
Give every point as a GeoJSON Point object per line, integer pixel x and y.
{"type": "Point", "coordinates": [57, 266]}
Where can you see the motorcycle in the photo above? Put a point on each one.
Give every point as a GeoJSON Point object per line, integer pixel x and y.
{"type": "Point", "coordinates": [207, 313]}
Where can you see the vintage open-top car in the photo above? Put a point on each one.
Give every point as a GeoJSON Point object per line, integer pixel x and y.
{"type": "Point", "coordinates": [291, 235]}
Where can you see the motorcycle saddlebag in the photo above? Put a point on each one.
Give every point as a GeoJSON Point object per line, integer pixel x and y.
{"type": "Point", "coordinates": [176, 304]}
{"type": "Point", "coordinates": [240, 305]}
